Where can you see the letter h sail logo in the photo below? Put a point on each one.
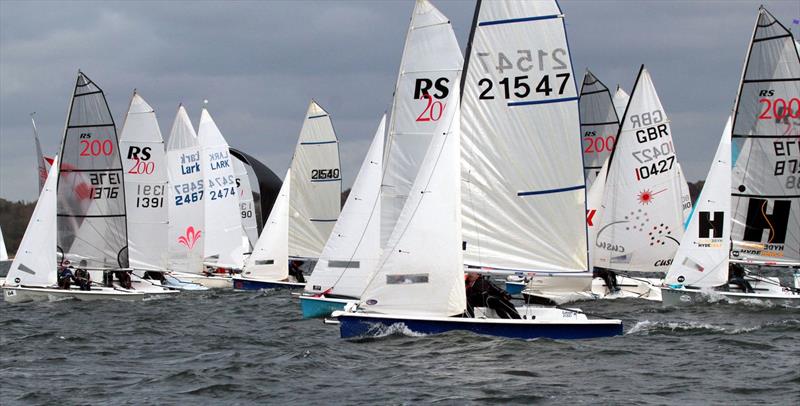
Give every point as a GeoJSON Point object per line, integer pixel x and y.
{"type": "Point", "coordinates": [707, 224]}
{"type": "Point", "coordinates": [758, 220]}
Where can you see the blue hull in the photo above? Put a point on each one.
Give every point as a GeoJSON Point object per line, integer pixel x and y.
{"type": "Point", "coordinates": [355, 326]}
{"type": "Point", "coordinates": [319, 307]}
{"type": "Point", "coordinates": [249, 284]}
{"type": "Point", "coordinates": [515, 288]}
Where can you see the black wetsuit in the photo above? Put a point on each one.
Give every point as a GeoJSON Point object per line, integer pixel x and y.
{"type": "Point", "coordinates": [736, 274]}
{"type": "Point", "coordinates": [483, 293]}
{"type": "Point", "coordinates": [65, 278]}
{"type": "Point", "coordinates": [609, 277]}
{"type": "Point", "coordinates": [83, 279]}
{"type": "Point", "coordinates": [297, 273]}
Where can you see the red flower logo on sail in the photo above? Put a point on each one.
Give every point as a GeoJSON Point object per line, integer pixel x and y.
{"type": "Point", "coordinates": [190, 238]}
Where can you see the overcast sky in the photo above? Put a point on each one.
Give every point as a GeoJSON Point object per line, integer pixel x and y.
{"type": "Point", "coordinates": [259, 64]}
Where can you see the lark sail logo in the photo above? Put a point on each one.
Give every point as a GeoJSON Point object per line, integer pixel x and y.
{"type": "Point", "coordinates": [190, 163]}
{"type": "Point", "coordinates": [190, 238]}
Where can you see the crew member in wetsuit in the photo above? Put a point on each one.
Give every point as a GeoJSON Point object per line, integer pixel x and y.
{"type": "Point", "coordinates": [736, 273]}
{"type": "Point", "coordinates": [296, 272]}
{"type": "Point", "coordinates": [156, 276]}
{"type": "Point", "coordinates": [609, 277]}
{"type": "Point", "coordinates": [481, 292]}
{"type": "Point", "coordinates": [83, 279]}
{"type": "Point", "coordinates": [124, 278]}
{"type": "Point", "coordinates": [65, 277]}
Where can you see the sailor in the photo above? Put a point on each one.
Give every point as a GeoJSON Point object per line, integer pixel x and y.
{"type": "Point", "coordinates": [481, 292]}
{"type": "Point", "coordinates": [296, 272]}
{"type": "Point", "coordinates": [65, 276]}
{"type": "Point", "coordinates": [83, 279]}
{"type": "Point", "coordinates": [156, 276]}
{"type": "Point", "coordinates": [609, 277]}
{"type": "Point", "coordinates": [124, 278]}
{"type": "Point", "coordinates": [736, 273]}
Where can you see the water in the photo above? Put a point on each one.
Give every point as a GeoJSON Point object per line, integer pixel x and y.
{"type": "Point", "coordinates": [245, 348]}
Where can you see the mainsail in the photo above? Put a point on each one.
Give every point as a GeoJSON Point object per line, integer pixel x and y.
{"type": "Point", "coordinates": [642, 217]}
{"type": "Point", "coordinates": [223, 224]}
{"type": "Point", "coordinates": [186, 194]}
{"type": "Point", "coordinates": [270, 257]}
{"type": "Point", "coordinates": [144, 162]}
{"type": "Point", "coordinates": [353, 248]}
{"type": "Point", "coordinates": [429, 69]}
{"type": "Point", "coordinates": [523, 193]}
{"type": "Point", "coordinates": [702, 258]}
{"type": "Point", "coordinates": [91, 197]}
{"type": "Point", "coordinates": [599, 125]}
{"type": "Point", "coordinates": [766, 149]}
{"type": "Point", "coordinates": [41, 163]}
{"type": "Point", "coordinates": [3, 251]}
{"type": "Point", "coordinates": [247, 206]}
{"type": "Point", "coordinates": [35, 261]}
{"type": "Point", "coordinates": [316, 185]}
{"type": "Point", "coordinates": [621, 99]}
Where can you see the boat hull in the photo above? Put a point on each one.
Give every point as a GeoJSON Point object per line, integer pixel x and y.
{"type": "Point", "coordinates": [546, 293]}
{"type": "Point", "coordinates": [682, 296]}
{"type": "Point", "coordinates": [212, 282]}
{"type": "Point", "coordinates": [13, 294]}
{"type": "Point", "coordinates": [318, 307]}
{"type": "Point", "coordinates": [354, 325]}
{"type": "Point", "coordinates": [255, 284]}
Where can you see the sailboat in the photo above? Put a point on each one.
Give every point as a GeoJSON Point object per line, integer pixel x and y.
{"type": "Point", "coordinates": [419, 282]}
{"type": "Point", "coordinates": [312, 208]}
{"type": "Point", "coordinates": [749, 209]}
{"type": "Point", "coordinates": [353, 248]}
{"type": "Point", "coordinates": [599, 125]}
{"type": "Point", "coordinates": [80, 215]}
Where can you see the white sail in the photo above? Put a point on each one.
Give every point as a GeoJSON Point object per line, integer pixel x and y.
{"type": "Point", "coordinates": [621, 99]}
{"type": "Point", "coordinates": [599, 125]}
{"type": "Point", "coordinates": [247, 206]}
{"type": "Point", "coordinates": [223, 224]}
{"type": "Point", "coordinates": [429, 69]}
{"type": "Point", "coordinates": [3, 251]}
{"type": "Point", "coordinates": [270, 257]}
{"type": "Point", "coordinates": [421, 271]}
{"type": "Point", "coordinates": [41, 162]}
{"type": "Point", "coordinates": [686, 197]}
{"type": "Point", "coordinates": [524, 197]}
{"type": "Point", "coordinates": [594, 205]}
{"type": "Point", "coordinates": [316, 185]}
{"type": "Point", "coordinates": [35, 261]}
{"type": "Point", "coordinates": [702, 258]}
{"type": "Point", "coordinates": [642, 216]}
{"type": "Point", "coordinates": [766, 147]}
{"type": "Point", "coordinates": [353, 248]}
{"type": "Point", "coordinates": [186, 194]}
{"type": "Point", "coordinates": [144, 162]}
{"type": "Point", "coordinates": [91, 195]}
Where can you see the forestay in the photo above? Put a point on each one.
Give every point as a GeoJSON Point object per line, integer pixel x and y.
{"type": "Point", "coordinates": [766, 147]}
{"type": "Point", "coordinates": [599, 125]}
{"type": "Point", "coordinates": [223, 224]}
{"type": "Point", "coordinates": [145, 163]}
{"type": "Point", "coordinates": [642, 216]}
{"type": "Point", "coordinates": [35, 261]}
{"type": "Point", "coordinates": [702, 258]}
{"type": "Point", "coordinates": [186, 194]}
{"type": "Point", "coordinates": [91, 198]}
{"type": "Point", "coordinates": [247, 206]}
{"type": "Point", "coordinates": [270, 257]}
{"type": "Point", "coordinates": [421, 271]}
{"type": "Point", "coordinates": [353, 248]}
{"type": "Point", "coordinates": [621, 99]}
{"type": "Point", "coordinates": [524, 196]}
{"type": "Point", "coordinates": [429, 69]}
{"type": "Point", "coordinates": [316, 185]}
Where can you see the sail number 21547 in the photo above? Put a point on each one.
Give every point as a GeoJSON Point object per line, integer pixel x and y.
{"type": "Point", "coordinates": [524, 84]}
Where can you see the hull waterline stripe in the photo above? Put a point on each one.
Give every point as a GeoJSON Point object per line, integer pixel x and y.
{"type": "Point", "coordinates": [528, 103]}
{"type": "Point", "coordinates": [317, 142]}
{"type": "Point", "coordinates": [550, 191]}
{"type": "Point", "coordinates": [518, 20]}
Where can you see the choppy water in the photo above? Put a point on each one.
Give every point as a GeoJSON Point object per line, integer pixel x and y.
{"type": "Point", "coordinates": [243, 348]}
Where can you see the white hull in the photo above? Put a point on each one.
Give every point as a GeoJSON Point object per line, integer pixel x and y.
{"type": "Point", "coordinates": [566, 289]}
{"type": "Point", "coordinates": [767, 292]}
{"type": "Point", "coordinates": [213, 282]}
{"type": "Point", "coordinates": [29, 294]}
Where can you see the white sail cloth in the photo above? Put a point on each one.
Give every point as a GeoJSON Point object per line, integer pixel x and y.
{"type": "Point", "coordinates": [144, 162]}
{"type": "Point", "coordinates": [316, 185]}
{"type": "Point", "coordinates": [702, 258]}
{"type": "Point", "coordinates": [270, 257]}
{"type": "Point", "coordinates": [429, 69]}
{"type": "Point", "coordinates": [35, 261]}
{"type": "Point", "coordinates": [41, 162]}
{"type": "Point", "coordinates": [421, 271]}
{"type": "Point", "coordinates": [186, 194]}
{"type": "Point", "coordinates": [599, 125]}
{"type": "Point", "coordinates": [247, 206]}
{"type": "Point", "coordinates": [642, 215]}
{"type": "Point", "coordinates": [766, 167]}
{"type": "Point", "coordinates": [621, 99]}
{"type": "Point", "coordinates": [3, 251]}
{"type": "Point", "coordinates": [223, 225]}
{"type": "Point", "coordinates": [524, 197]}
{"type": "Point", "coordinates": [353, 248]}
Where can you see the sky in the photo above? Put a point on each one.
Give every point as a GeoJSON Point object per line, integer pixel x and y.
{"type": "Point", "coordinates": [259, 63]}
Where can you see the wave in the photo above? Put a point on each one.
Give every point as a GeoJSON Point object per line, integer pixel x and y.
{"type": "Point", "coordinates": [648, 327]}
